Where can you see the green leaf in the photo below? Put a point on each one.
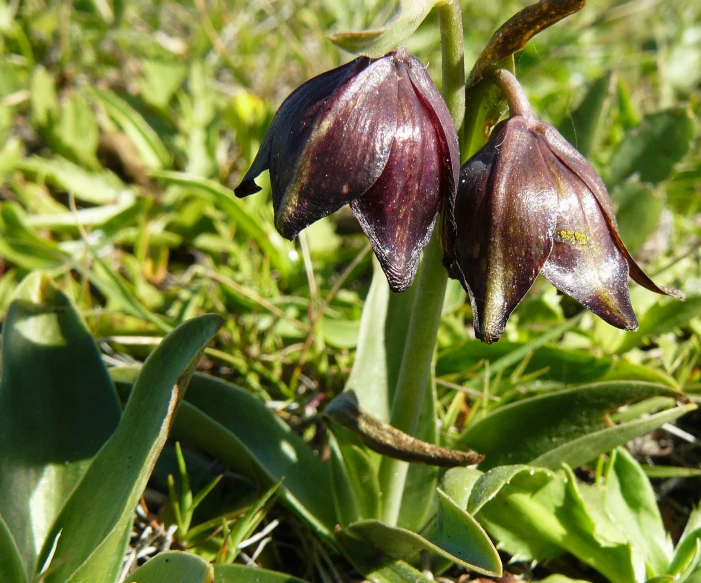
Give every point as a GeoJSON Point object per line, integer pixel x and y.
{"type": "Point", "coordinates": [243, 574]}
{"type": "Point", "coordinates": [151, 149]}
{"type": "Point", "coordinates": [377, 360]}
{"type": "Point", "coordinates": [57, 408]}
{"type": "Point", "coordinates": [630, 502]}
{"type": "Point", "coordinates": [566, 426]}
{"type": "Point", "coordinates": [11, 567]}
{"type": "Point", "coordinates": [174, 567]}
{"type": "Point", "coordinates": [161, 80]}
{"type": "Point", "coordinates": [539, 515]}
{"type": "Point", "coordinates": [453, 534]}
{"type": "Point", "coordinates": [92, 187]}
{"type": "Point", "coordinates": [233, 426]}
{"type": "Point", "coordinates": [92, 525]}
{"type": "Point", "coordinates": [407, 17]}
{"type": "Point", "coordinates": [583, 126]}
{"type": "Point", "coordinates": [661, 318]}
{"type": "Point", "coordinates": [355, 484]}
{"type": "Point", "coordinates": [652, 148]}
{"type": "Point", "coordinates": [264, 235]}
{"type": "Point", "coordinates": [22, 246]}
{"type": "Point", "coordinates": [556, 364]}
{"type": "Point", "coordinates": [76, 133]}
{"type": "Point", "coordinates": [44, 102]}
{"type": "Point", "coordinates": [561, 579]}
{"type": "Point", "coordinates": [670, 472]}
{"type": "Point", "coordinates": [639, 210]}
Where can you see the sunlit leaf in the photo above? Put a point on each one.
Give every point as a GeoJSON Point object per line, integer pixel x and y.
{"type": "Point", "coordinates": [92, 525]}
{"type": "Point", "coordinates": [57, 408]}
{"type": "Point", "coordinates": [174, 567]}
{"type": "Point", "coordinates": [568, 426]}
{"type": "Point", "coordinates": [406, 18]}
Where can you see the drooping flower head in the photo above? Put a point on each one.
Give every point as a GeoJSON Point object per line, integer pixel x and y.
{"type": "Point", "coordinates": [375, 134]}
{"type": "Point", "coordinates": [528, 203]}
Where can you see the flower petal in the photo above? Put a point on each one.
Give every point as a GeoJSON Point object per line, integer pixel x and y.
{"type": "Point", "coordinates": [585, 262]}
{"type": "Point", "coordinates": [346, 142]}
{"type": "Point", "coordinates": [506, 213]}
{"type": "Point", "coordinates": [293, 118]}
{"type": "Point", "coordinates": [578, 164]}
{"type": "Point", "coordinates": [445, 128]}
{"type": "Point", "coordinates": [398, 212]}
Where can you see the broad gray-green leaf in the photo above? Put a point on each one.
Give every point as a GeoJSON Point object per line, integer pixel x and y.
{"type": "Point", "coordinates": [233, 426]}
{"type": "Point", "coordinates": [539, 515]}
{"type": "Point", "coordinates": [652, 148]}
{"type": "Point", "coordinates": [539, 429]}
{"type": "Point", "coordinates": [630, 501]}
{"type": "Point", "coordinates": [265, 236]}
{"type": "Point", "coordinates": [11, 567]}
{"type": "Point", "coordinates": [151, 149]}
{"type": "Point", "coordinates": [174, 567]}
{"type": "Point", "coordinates": [355, 486]}
{"type": "Point", "coordinates": [57, 408]}
{"type": "Point", "coordinates": [407, 17]}
{"type": "Point", "coordinates": [243, 574]}
{"type": "Point", "coordinates": [453, 534]}
{"type": "Point", "coordinates": [99, 510]}
{"type": "Point", "coordinates": [583, 125]}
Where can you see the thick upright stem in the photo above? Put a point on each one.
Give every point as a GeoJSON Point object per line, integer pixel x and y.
{"type": "Point", "coordinates": [417, 359]}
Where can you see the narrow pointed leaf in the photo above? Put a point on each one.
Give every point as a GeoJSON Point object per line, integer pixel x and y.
{"type": "Point", "coordinates": [11, 567]}
{"type": "Point", "coordinates": [406, 18]}
{"type": "Point", "coordinates": [231, 425]}
{"type": "Point", "coordinates": [252, 225]}
{"type": "Point", "coordinates": [571, 425]}
{"type": "Point", "coordinates": [151, 149]}
{"type": "Point", "coordinates": [102, 504]}
{"type": "Point", "coordinates": [57, 408]}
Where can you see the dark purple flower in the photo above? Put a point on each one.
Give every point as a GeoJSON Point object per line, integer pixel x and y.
{"type": "Point", "coordinates": [375, 134]}
{"type": "Point", "coordinates": [529, 203]}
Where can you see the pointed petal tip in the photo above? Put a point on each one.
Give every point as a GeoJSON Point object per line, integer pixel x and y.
{"type": "Point", "coordinates": [246, 188]}
{"type": "Point", "coordinates": [674, 293]}
{"type": "Point", "coordinates": [399, 277]}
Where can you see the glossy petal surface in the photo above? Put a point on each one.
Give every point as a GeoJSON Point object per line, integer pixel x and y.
{"type": "Point", "coordinates": [505, 212]}
{"type": "Point", "coordinates": [345, 148]}
{"type": "Point", "coordinates": [398, 212]}
{"type": "Point", "coordinates": [579, 165]}
{"type": "Point", "coordinates": [585, 262]}
{"type": "Point", "coordinates": [292, 119]}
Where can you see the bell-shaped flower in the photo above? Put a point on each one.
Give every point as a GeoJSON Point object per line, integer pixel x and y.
{"type": "Point", "coordinates": [375, 134]}
{"type": "Point", "coordinates": [529, 203]}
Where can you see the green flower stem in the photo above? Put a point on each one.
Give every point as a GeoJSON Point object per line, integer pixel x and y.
{"type": "Point", "coordinates": [417, 360]}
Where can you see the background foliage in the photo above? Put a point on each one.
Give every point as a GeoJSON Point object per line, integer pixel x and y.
{"type": "Point", "coordinates": [125, 124]}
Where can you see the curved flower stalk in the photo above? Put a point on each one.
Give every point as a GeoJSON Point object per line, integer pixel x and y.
{"type": "Point", "coordinates": [375, 134]}
{"type": "Point", "coordinates": [528, 203]}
